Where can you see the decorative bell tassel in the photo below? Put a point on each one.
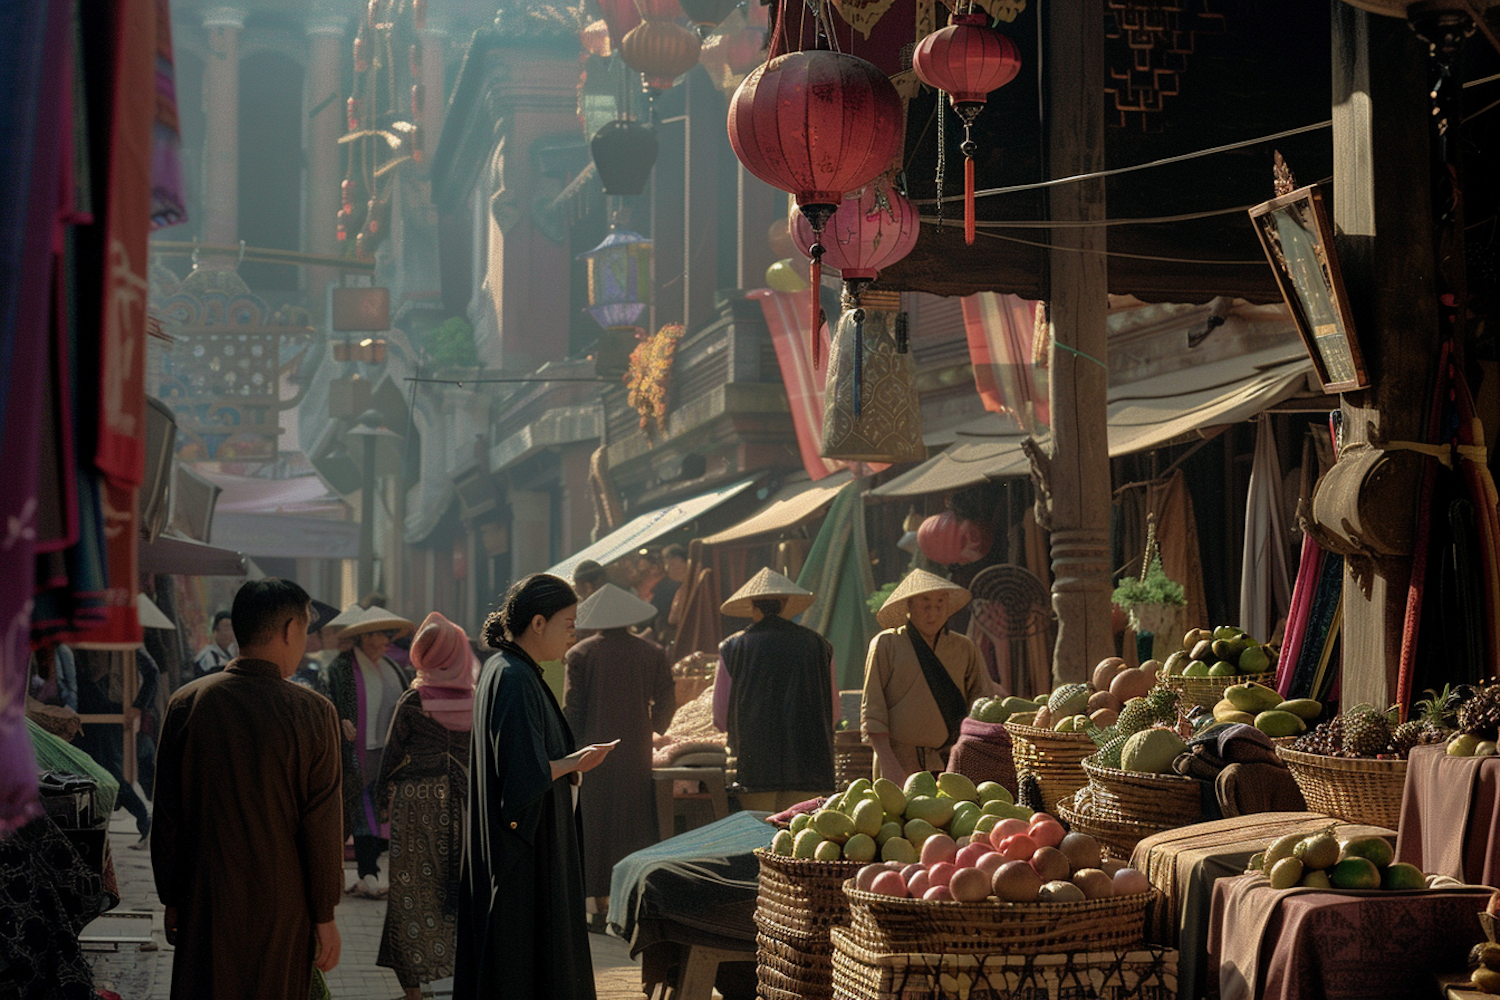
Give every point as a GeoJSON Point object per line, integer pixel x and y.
{"type": "Point", "coordinates": [859, 360]}
{"type": "Point", "coordinates": [969, 148]}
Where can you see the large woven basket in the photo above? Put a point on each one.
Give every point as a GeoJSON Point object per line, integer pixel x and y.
{"type": "Point", "coordinates": [889, 925]}
{"type": "Point", "coordinates": [1163, 800]}
{"type": "Point", "coordinates": [1144, 973]}
{"type": "Point", "coordinates": [1209, 691]}
{"type": "Point", "coordinates": [1356, 789]}
{"type": "Point", "coordinates": [1117, 838]}
{"type": "Point", "coordinates": [852, 757]}
{"type": "Point", "coordinates": [1055, 758]}
{"type": "Point", "coordinates": [799, 902]}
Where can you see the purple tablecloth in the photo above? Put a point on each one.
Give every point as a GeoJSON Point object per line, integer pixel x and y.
{"type": "Point", "coordinates": [1450, 816]}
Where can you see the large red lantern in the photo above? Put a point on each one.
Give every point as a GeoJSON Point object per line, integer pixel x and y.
{"type": "Point", "coordinates": [816, 123]}
{"type": "Point", "coordinates": [967, 60]}
{"type": "Point", "coordinates": [661, 51]}
{"type": "Point", "coordinates": [659, 10]}
{"type": "Point", "coordinates": [946, 540]}
{"type": "Point", "coordinates": [620, 16]}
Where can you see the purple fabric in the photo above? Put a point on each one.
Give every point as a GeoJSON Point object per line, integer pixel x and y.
{"type": "Point", "coordinates": [34, 54]}
{"type": "Point", "coordinates": [366, 801]}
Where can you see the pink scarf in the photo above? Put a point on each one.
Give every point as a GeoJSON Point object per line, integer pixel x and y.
{"type": "Point", "coordinates": [446, 672]}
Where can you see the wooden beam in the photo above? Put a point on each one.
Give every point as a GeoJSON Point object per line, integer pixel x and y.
{"type": "Point", "coordinates": [1079, 372]}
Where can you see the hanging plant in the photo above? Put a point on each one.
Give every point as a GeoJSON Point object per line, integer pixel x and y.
{"type": "Point", "coordinates": [648, 375]}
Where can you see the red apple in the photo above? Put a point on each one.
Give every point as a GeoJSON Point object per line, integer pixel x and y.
{"type": "Point", "coordinates": [1018, 848]}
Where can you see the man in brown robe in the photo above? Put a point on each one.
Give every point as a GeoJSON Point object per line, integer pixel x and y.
{"type": "Point", "coordinates": [247, 842]}
{"type": "Point", "coordinates": [618, 687]}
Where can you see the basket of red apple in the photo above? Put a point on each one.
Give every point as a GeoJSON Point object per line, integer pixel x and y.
{"type": "Point", "coordinates": [1029, 887]}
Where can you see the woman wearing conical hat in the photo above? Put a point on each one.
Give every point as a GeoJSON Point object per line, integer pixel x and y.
{"type": "Point", "coordinates": [920, 678]}
{"type": "Point", "coordinates": [774, 696]}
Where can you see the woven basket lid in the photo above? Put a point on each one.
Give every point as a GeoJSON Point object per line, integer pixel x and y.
{"type": "Point", "coordinates": [893, 612]}
{"type": "Point", "coordinates": [376, 620]}
{"type": "Point", "coordinates": [767, 584]}
{"type": "Point", "coordinates": [613, 607]}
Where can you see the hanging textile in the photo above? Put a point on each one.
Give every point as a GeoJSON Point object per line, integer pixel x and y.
{"type": "Point", "coordinates": [1265, 584]}
{"type": "Point", "coordinates": [788, 314]}
{"type": "Point", "coordinates": [168, 192]}
{"type": "Point", "coordinates": [871, 410]}
{"type": "Point", "coordinates": [838, 574]}
{"type": "Point", "coordinates": [1001, 331]}
{"type": "Point", "coordinates": [34, 47]}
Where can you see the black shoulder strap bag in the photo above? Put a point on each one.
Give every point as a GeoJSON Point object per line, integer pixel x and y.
{"type": "Point", "coordinates": [950, 700]}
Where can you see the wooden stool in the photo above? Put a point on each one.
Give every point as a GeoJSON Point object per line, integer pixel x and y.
{"type": "Point", "coordinates": [712, 779]}
{"type": "Point", "coordinates": [698, 971]}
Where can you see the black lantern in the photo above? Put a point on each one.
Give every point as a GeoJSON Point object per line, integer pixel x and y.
{"type": "Point", "coordinates": [624, 152]}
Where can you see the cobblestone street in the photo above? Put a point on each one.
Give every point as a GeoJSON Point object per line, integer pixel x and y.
{"type": "Point", "coordinates": [144, 972]}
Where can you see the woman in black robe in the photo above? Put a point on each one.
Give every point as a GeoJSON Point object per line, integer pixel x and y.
{"type": "Point", "coordinates": [522, 931]}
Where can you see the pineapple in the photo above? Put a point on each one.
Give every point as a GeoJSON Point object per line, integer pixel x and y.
{"type": "Point", "coordinates": [1367, 733]}
{"type": "Point", "coordinates": [1480, 715]}
{"type": "Point", "coordinates": [1110, 755]}
{"type": "Point", "coordinates": [1435, 717]}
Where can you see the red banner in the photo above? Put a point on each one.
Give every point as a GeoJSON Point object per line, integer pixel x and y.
{"type": "Point", "coordinates": [1001, 330]}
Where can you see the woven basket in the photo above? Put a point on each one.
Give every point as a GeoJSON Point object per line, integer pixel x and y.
{"type": "Point", "coordinates": [1162, 800]}
{"type": "Point", "coordinates": [1055, 758]}
{"type": "Point", "coordinates": [889, 925]}
{"type": "Point", "coordinates": [852, 758]}
{"type": "Point", "coordinates": [1145, 973]}
{"type": "Point", "coordinates": [1356, 789]}
{"type": "Point", "coordinates": [1209, 691]}
{"type": "Point", "coordinates": [1117, 838]}
{"type": "Point", "coordinates": [799, 902]}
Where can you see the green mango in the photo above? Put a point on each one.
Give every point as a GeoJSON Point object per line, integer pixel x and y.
{"type": "Point", "coordinates": [1175, 663]}
{"type": "Point", "coordinates": [782, 843]}
{"type": "Point", "coordinates": [1228, 632]}
{"type": "Point", "coordinates": [984, 824]}
{"type": "Point", "coordinates": [991, 791]}
{"type": "Point", "coordinates": [1253, 660]}
{"type": "Point", "coordinates": [1303, 708]}
{"type": "Point", "coordinates": [916, 831]}
{"type": "Point", "coordinates": [1403, 876]}
{"type": "Point", "coordinates": [1252, 697]}
{"type": "Point", "coordinates": [936, 811]}
{"type": "Point", "coordinates": [887, 831]}
{"type": "Point", "coordinates": [891, 796]}
{"type": "Point", "coordinates": [899, 849]}
{"type": "Point", "coordinates": [1377, 850]}
{"type": "Point", "coordinates": [1195, 669]}
{"type": "Point", "coordinates": [1204, 650]}
{"type": "Point", "coordinates": [1354, 873]}
{"type": "Point", "coordinates": [829, 850]}
{"type": "Point", "coordinates": [805, 843]}
{"type": "Point", "coordinates": [957, 787]}
{"type": "Point", "coordinates": [920, 783]}
{"type": "Point", "coordinates": [833, 825]}
{"type": "Point", "coordinates": [858, 786]}
{"type": "Point", "coordinates": [1224, 668]}
{"type": "Point", "coordinates": [860, 848]}
{"type": "Point", "coordinates": [965, 818]}
{"type": "Point", "coordinates": [1277, 724]}
{"type": "Point", "coordinates": [868, 817]}
{"type": "Point", "coordinates": [799, 822]}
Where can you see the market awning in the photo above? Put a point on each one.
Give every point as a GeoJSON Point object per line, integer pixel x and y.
{"type": "Point", "coordinates": [287, 536]}
{"type": "Point", "coordinates": [1142, 415]}
{"type": "Point", "coordinates": [171, 555]}
{"type": "Point", "coordinates": [792, 504]}
{"type": "Point", "coordinates": [648, 527]}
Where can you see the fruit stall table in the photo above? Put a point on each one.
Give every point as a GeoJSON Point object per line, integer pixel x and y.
{"type": "Point", "coordinates": [1185, 863]}
{"type": "Point", "coordinates": [1309, 944]}
{"type": "Point", "coordinates": [1450, 815]}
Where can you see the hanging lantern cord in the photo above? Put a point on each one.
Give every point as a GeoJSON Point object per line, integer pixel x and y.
{"type": "Point", "coordinates": [859, 359]}
{"type": "Point", "coordinates": [942, 159]}
{"type": "Point", "coordinates": [817, 216]}
{"type": "Point", "coordinates": [969, 147]}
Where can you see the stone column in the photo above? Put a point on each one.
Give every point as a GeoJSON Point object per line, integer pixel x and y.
{"type": "Point", "coordinates": [433, 39]}
{"type": "Point", "coordinates": [324, 100]}
{"type": "Point", "coordinates": [221, 103]}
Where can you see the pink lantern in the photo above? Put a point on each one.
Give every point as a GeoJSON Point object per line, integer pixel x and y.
{"type": "Point", "coordinates": [946, 540]}
{"type": "Point", "coordinates": [872, 229]}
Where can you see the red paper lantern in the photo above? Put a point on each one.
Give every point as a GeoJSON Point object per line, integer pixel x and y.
{"type": "Point", "coordinates": [595, 39]}
{"type": "Point", "coordinates": [946, 540]}
{"type": "Point", "coordinates": [967, 60]}
{"type": "Point", "coordinates": [708, 14]}
{"type": "Point", "coordinates": [872, 229]}
{"type": "Point", "coordinates": [659, 10]}
{"type": "Point", "coordinates": [620, 16]}
{"type": "Point", "coordinates": [816, 123]}
{"type": "Point", "coordinates": [661, 51]}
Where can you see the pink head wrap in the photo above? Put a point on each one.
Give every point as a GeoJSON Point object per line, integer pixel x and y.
{"type": "Point", "coordinates": [446, 672]}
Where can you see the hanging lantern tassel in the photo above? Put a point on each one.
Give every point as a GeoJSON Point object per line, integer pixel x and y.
{"type": "Point", "coordinates": [816, 277]}
{"type": "Point", "coordinates": [859, 359]}
{"type": "Point", "coordinates": [969, 148]}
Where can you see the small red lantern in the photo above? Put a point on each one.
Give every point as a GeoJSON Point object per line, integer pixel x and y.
{"type": "Point", "coordinates": [595, 39]}
{"type": "Point", "coordinates": [659, 10]}
{"type": "Point", "coordinates": [946, 540]}
{"type": "Point", "coordinates": [872, 229]}
{"type": "Point", "coordinates": [351, 110]}
{"type": "Point", "coordinates": [967, 60]}
{"type": "Point", "coordinates": [661, 51]}
{"type": "Point", "coordinates": [816, 123]}
{"type": "Point", "coordinates": [620, 16]}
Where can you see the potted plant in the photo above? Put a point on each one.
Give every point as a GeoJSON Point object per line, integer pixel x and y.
{"type": "Point", "coordinates": [1154, 602]}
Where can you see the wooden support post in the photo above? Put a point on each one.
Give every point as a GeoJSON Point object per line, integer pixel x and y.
{"type": "Point", "coordinates": [1079, 372]}
{"type": "Point", "coordinates": [1383, 215]}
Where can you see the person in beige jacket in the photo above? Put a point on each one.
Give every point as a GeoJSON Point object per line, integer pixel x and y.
{"type": "Point", "coordinates": [911, 710]}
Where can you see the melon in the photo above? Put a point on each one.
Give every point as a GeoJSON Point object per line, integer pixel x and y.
{"type": "Point", "coordinates": [1132, 682]}
{"type": "Point", "coordinates": [1152, 751]}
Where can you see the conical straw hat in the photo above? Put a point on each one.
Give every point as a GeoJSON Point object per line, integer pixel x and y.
{"type": "Point", "coordinates": [345, 618]}
{"type": "Point", "coordinates": [893, 612]}
{"type": "Point", "coordinates": [150, 615]}
{"type": "Point", "coordinates": [613, 607]}
{"type": "Point", "coordinates": [376, 619]}
{"type": "Point", "coordinates": [767, 584]}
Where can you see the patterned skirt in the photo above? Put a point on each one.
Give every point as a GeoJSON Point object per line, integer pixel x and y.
{"type": "Point", "coordinates": [421, 917]}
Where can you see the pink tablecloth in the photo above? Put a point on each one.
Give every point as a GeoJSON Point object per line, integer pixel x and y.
{"type": "Point", "coordinates": [1450, 816]}
{"type": "Point", "coordinates": [1305, 944]}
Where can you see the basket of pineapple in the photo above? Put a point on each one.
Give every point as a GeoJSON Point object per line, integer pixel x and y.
{"type": "Point", "coordinates": [1211, 661]}
{"type": "Point", "coordinates": [1354, 765]}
